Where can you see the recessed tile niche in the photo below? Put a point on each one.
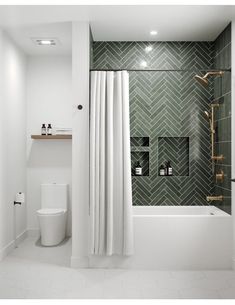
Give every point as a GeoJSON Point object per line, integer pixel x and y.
{"type": "Point", "coordinates": [140, 153]}
{"type": "Point", "coordinates": [175, 150]}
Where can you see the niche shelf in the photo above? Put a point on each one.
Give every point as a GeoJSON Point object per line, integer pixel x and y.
{"type": "Point", "coordinates": [53, 137]}
{"type": "Point", "coordinates": [140, 152]}
{"type": "Point", "coordinates": [176, 150]}
{"type": "Point", "coordinates": [140, 141]}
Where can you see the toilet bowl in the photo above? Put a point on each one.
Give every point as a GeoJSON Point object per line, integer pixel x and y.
{"type": "Point", "coordinates": [52, 224]}
{"type": "Point", "coordinates": [52, 216]}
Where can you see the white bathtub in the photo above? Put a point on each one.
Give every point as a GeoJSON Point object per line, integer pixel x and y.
{"type": "Point", "coordinates": [177, 238]}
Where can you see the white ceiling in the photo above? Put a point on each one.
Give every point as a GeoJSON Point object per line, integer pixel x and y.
{"type": "Point", "coordinates": [114, 23]}
{"type": "Point", "coordinates": [62, 31]}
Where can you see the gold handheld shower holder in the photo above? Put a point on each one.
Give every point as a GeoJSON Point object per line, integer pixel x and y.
{"type": "Point", "coordinates": [217, 158]}
{"type": "Point", "coordinates": [212, 122]}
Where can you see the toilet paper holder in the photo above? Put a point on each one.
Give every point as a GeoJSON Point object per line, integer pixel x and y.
{"type": "Point", "coordinates": [19, 198]}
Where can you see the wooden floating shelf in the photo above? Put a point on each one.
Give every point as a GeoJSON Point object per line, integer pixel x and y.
{"type": "Point", "coordinates": [53, 137]}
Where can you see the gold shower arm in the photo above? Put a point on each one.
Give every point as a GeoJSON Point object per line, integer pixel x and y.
{"type": "Point", "coordinates": [219, 73]}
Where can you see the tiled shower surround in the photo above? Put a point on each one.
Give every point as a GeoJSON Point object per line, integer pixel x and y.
{"type": "Point", "coordinates": [168, 107]}
{"type": "Point", "coordinates": [222, 95]}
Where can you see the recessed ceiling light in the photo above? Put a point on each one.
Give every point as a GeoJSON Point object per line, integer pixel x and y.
{"type": "Point", "coordinates": [45, 41]}
{"type": "Point", "coordinates": [148, 49]}
{"type": "Point", "coordinates": [153, 33]}
{"type": "Point", "coordinates": [143, 64]}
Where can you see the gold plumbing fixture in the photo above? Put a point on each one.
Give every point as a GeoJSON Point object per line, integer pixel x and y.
{"type": "Point", "coordinates": [203, 80]}
{"type": "Point", "coordinates": [215, 198]}
{"type": "Point", "coordinates": [218, 158]}
{"type": "Point", "coordinates": [213, 156]}
{"type": "Point", "coordinates": [211, 119]}
{"type": "Point", "coordinates": [219, 176]}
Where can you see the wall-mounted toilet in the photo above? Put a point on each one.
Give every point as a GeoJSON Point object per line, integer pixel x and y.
{"type": "Point", "coordinates": [53, 213]}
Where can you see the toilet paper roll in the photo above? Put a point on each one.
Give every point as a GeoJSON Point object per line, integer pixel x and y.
{"type": "Point", "coordinates": [19, 197]}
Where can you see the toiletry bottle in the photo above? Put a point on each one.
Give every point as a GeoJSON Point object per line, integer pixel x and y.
{"type": "Point", "coordinates": [49, 130]}
{"type": "Point", "coordinates": [166, 168]}
{"type": "Point", "coordinates": [138, 169]}
{"type": "Point", "coordinates": [162, 170]}
{"type": "Point", "coordinates": [169, 169]}
{"type": "Point", "coordinates": [43, 130]}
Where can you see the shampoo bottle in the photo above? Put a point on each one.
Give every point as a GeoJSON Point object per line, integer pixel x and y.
{"type": "Point", "coordinates": [49, 130]}
{"type": "Point", "coordinates": [43, 130]}
{"type": "Point", "coordinates": [162, 170]}
{"type": "Point", "coordinates": [169, 169]}
{"type": "Point", "coordinates": [138, 169]}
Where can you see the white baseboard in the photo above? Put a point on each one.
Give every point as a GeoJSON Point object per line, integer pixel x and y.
{"type": "Point", "coordinates": [79, 262]}
{"type": "Point", "coordinates": [21, 237]}
{"type": "Point", "coordinates": [33, 233]}
{"type": "Point", "coordinates": [9, 247]}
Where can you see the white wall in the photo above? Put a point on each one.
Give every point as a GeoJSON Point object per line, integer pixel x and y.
{"type": "Point", "coordinates": [12, 140]}
{"type": "Point", "coordinates": [49, 100]}
{"type": "Point", "coordinates": [80, 173]}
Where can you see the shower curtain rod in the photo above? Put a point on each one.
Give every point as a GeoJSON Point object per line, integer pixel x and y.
{"type": "Point", "coordinates": [161, 70]}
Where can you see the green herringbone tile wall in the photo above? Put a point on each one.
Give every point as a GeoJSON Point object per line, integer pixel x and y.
{"type": "Point", "coordinates": [222, 93]}
{"type": "Point", "coordinates": [177, 151]}
{"type": "Point", "coordinates": [167, 104]}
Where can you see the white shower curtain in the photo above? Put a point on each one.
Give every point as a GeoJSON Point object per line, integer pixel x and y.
{"type": "Point", "coordinates": [110, 165]}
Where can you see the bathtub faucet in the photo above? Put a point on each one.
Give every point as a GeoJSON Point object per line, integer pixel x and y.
{"type": "Point", "coordinates": [215, 198]}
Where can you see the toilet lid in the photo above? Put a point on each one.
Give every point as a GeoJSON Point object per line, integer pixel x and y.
{"type": "Point", "coordinates": [50, 211]}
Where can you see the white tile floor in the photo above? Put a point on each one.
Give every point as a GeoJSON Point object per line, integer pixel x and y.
{"type": "Point", "coordinates": [32, 271]}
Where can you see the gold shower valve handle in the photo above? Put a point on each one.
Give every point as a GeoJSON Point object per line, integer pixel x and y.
{"type": "Point", "coordinates": [217, 158]}
{"type": "Point", "coordinates": [220, 176]}
{"type": "Point", "coordinates": [215, 198]}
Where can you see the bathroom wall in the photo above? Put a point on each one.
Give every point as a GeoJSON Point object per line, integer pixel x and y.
{"type": "Point", "coordinates": [167, 105]}
{"type": "Point", "coordinates": [222, 95]}
{"type": "Point", "coordinates": [13, 141]}
{"type": "Point", "coordinates": [49, 85]}
{"type": "Point", "coordinates": [81, 48]}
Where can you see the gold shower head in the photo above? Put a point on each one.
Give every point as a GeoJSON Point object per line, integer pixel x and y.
{"type": "Point", "coordinates": [203, 80]}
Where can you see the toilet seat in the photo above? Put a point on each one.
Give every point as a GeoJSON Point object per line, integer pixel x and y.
{"type": "Point", "coordinates": [51, 212]}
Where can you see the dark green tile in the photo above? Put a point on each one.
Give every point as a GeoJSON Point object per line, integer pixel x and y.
{"type": "Point", "coordinates": [223, 58]}
{"type": "Point", "coordinates": [227, 34]}
{"type": "Point", "coordinates": [227, 176]}
{"type": "Point", "coordinates": [224, 109]}
{"type": "Point", "coordinates": [223, 130]}
{"type": "Point", "coordinates": [224, 148]}
{"type": "Point", "coordinates": [164, 104]}
{"type": "Point", "coordinates": [223, 39]}
{"type": "Point", "coordinates": [226, 83]}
